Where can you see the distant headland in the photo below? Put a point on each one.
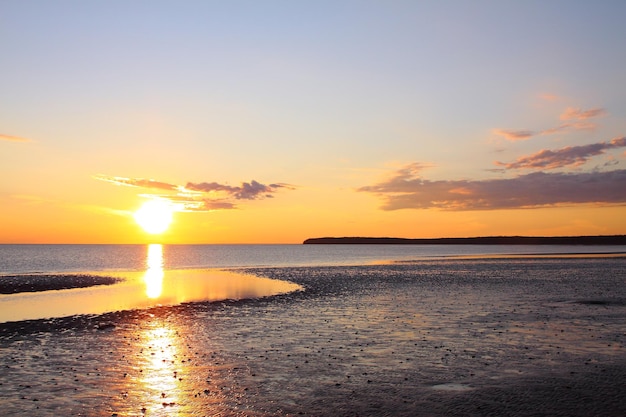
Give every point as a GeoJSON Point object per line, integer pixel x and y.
{"type": "Point", "coordinates": [486, 240]}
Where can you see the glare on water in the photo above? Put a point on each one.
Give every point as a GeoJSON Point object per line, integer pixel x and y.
{"type": "Point", "coordinates": [159, 374]}
{"type": "Point", "coordinates": [154, 274]}
{"type": "Point", "coordinates": [155, 286]}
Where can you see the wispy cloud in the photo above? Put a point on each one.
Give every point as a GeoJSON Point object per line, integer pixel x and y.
{"type": "Point", "coordinates": [193, 202]}
{"type": "Point", "coordinates": [204, 196]}
{"type": "Point", "coordinates": [138, 182]}
{"type": "Point", "coordinates": [568, 156]}
{"type": "Point", "coordinates": [574, 119]}
{"type": "Point", "coordinates": [563, 127]}
{"type": "Point", "coordinates": [514, 135]}
{"type": "Point", "coordinates": [10, 138]}
{"type": "Point", "coordinates": [572, 113]}
{"type": "Point", "coordinates": [548, 97]}
{"type": "Point", "coordinates": [407, 190]}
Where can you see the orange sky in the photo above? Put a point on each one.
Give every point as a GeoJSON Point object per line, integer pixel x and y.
{"type": "Point", "coordinates": [278, 122]}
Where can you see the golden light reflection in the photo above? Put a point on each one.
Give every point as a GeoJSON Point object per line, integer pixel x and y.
{"type": "Point", "coordinates": [161, 372]}
{"type": "Point", "coordinates": [154, 274]}
{"type": "Point", "coordinates": [171, 374]}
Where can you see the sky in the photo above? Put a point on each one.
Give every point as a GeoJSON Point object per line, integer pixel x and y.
{"type": "Point", "coordinates": [276, 121]}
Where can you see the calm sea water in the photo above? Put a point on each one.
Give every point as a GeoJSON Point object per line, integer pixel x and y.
{"type": "Point", "coordinates": [68, 258]}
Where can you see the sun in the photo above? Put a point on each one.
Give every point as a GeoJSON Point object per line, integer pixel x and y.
{"type": "Point", "coordinates": [154, 216]}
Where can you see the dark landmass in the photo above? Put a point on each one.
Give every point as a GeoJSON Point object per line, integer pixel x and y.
{"type": "Point", "coordinates": [13, 284]}
{"type": "Point", "coordinates": [487, 240]}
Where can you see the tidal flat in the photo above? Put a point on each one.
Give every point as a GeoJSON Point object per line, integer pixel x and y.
{"type": "Point", "coordinates": [458, 337]}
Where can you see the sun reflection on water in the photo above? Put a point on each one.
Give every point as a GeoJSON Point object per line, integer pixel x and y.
{"type": "Point", "coordinates": [174, 371]}
{"type": "Point", "coordinates": [154, 274]}
{"type": "Point", "coordinates": [160, 376]}
{"type": "Point", "coordinates": [153, 287]}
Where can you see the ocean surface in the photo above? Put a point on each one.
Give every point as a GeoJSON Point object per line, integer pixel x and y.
{"type": "Point", "coordinates": [77, 258]}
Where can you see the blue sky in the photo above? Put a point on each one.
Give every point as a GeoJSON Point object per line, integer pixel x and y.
{"type": "Point", "coordinates": [330, 97]}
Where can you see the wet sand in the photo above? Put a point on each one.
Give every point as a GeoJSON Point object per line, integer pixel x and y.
{"type": "Point", "coordinates": [13, 284]}
{"type": "Point", "coordinates": [463, 337]}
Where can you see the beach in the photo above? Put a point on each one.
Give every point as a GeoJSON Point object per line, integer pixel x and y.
{"type": "Point", "coordinates": [538, 337]}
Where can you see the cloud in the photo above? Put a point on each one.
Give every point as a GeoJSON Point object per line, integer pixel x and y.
{"type": "Point", "coordinates": [406, 190]}
{"type": "Point", "coordinates": [578, 125]}
{"type": "Point", "coordinates": [138, 182]}
{"type": "Point", "coordinates": [204, 196]}
{"type": "Point", "coordinates": [192, 202]}
{"type": "Point", "coordinates": [10, 138]}
{"type": "Point", "coordinates": [572, 113]}
{"type": "Point", "coordinates": [246, 191]}
{"type": "Point", "coordinates": [210, 205]}
{"type": "Point", "coordinates": [570, 155]}
{"type": "Point", "coordinates": [514, 135]}
{"type": "Point", "coordinates": [548, 97]}
{"type": "Point", "coordinates": [575, 119]}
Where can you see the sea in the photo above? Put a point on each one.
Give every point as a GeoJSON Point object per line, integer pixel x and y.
{"type": "Point", "coordinates": [15, 259]}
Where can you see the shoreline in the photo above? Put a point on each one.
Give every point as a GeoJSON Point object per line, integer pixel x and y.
{"type": "Point", "coordinates": [29, 282]}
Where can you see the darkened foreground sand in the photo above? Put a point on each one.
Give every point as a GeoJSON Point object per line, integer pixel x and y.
{"type": "Point", "coordinates": [13, 284]}
{"type": "Point", "coordinates": [443, 338]}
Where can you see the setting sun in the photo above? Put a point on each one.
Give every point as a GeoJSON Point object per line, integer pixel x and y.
{"type": "Point", "coordinates": [154, 216]}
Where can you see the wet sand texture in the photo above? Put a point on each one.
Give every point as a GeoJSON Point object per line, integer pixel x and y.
{"type": "Point", "coordinates": [432, 339]}
{"type": "Point", "coordinates": [13, 284]}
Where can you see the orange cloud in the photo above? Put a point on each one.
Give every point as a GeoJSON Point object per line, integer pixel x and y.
{"type": "Point", "coordinates": [572, 113]}
{"type": "Point", "coordinates": [576, 119]}
{"type": "Point", "coordinates": [138, 182]}
{"type": "Point", "coordinates": [514, 135]}
{"type": "Point", "coordinates": [578, 125]}
{"type": "Point", "coordinates": [10, 138]}
{"type": "Point", "coordinates": [548, 97]}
